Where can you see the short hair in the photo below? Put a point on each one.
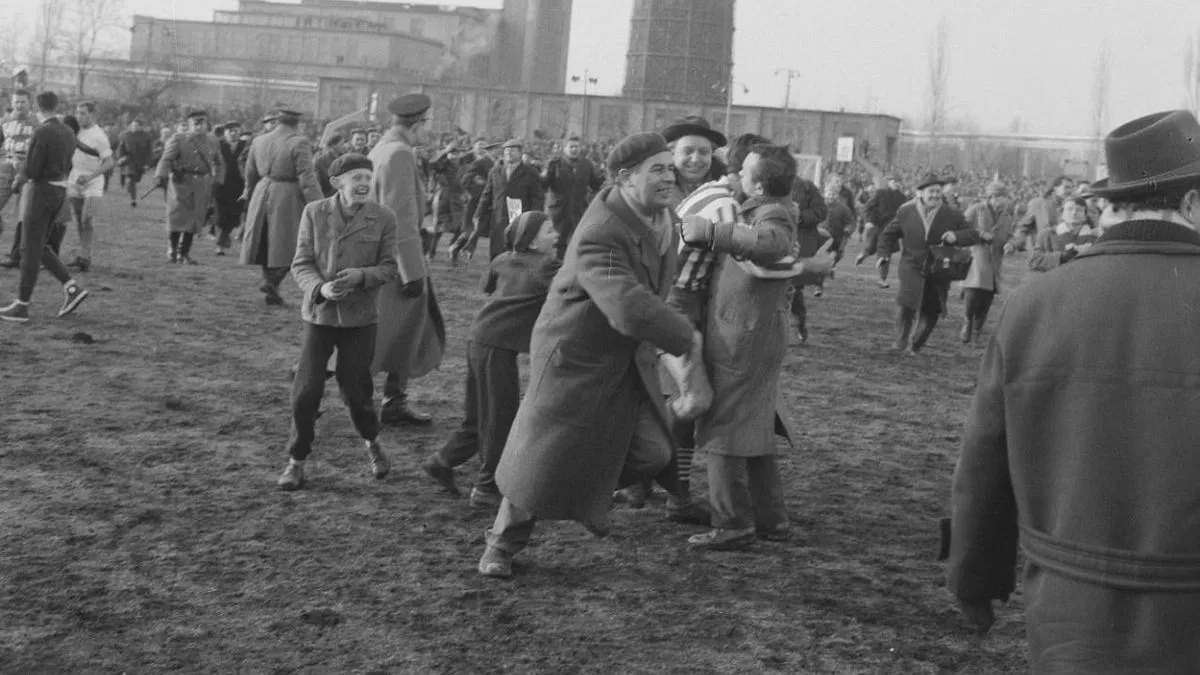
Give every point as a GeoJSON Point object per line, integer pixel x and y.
{"type": "Point", "coordinates": [334, 140]}
{"type": "Point", "coordinates": [356, 132]}
{"type": "Point", "coordinates": [1164, 199]}
{"type": "Point", "coordinates": [776, 171]}
{"type": "Point", "coordinates": [1077, 201]}
{"type": "Point", "coordinates": [71, 123]}
{"type": "Point", "coordinates": [47, 101]}
{"type": "Point", "coordinates": [21, 92]}
{"type": "Point", "coordinates": [90, 106]}
{"type": "Point", "coordinates": [740, 147]}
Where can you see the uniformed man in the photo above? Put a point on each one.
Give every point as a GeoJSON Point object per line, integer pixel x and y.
{"type": "Point", "coordinates": [279, 182]}
{"type": "Point", "coordinates": [190, 165]}
{"type": "Point", "coordinates": [268, 122]}
{"type": "Point", "coordinates": [411, 333]}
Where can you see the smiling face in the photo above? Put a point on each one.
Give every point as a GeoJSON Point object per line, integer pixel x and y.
{"type": "Point", "coordinates": [358, 141]}
{"type": "Point", "coordinates": [571, 149]}
{"type": "Point", "coordinates": [512, 155]}
{"type": "Point", "coordinates": [354, 186]}
{"type": "Point", "coordinates": [693, 157]}
{"type": "Point", "coordinates": [84, 114]}
{"type": "Point", "coordinates": [931, 196]}
{"type": "Point", "coordinates": [649, 186]}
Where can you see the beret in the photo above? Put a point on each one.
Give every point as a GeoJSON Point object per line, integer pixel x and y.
{"type": "Point", "coordinates": [635, 149]}
{"type": "Point", "coordinates": [349, 162]}
{"type": "Point", "coordinates": [410, 105]}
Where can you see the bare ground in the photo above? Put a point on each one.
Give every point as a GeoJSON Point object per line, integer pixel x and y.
{"type": "Point", "coordinates": [141, 531]}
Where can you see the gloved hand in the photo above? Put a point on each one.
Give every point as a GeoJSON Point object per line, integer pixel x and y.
{"type": "Point", "coordinates": [696, 231]}
{"type": "Point", "coordinates": [979, 614]}
{"type": "Point", "coordinates": [413, 289]}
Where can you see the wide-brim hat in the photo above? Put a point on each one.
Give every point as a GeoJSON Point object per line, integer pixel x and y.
{"type": "Point", "coordinates": [1150, 154]}
{"type": "Point", "coordinates": [1090, 191]}
{"type": "Point", "coordinates": [930, 179]}
{"type": "Point", "coordinates": [694, 125]}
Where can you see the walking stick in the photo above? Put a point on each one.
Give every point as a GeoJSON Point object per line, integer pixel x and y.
{"type": "Point", "coordinates": [148, 192]}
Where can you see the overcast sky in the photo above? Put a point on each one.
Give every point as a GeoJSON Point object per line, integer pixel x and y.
{"type": "Point", "coordinates": [1033, 59]}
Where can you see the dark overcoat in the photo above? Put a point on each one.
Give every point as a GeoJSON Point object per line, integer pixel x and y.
{"type": "Point", "coordinates": [910, 228]}
{"type": "Point", "coordinates": [593, 361]}
{"type": "Point", "coordinates": [568, 183]}
{"type": "Point", "coordinates": [524, 184]}
{"type": "Point", "coordinates": [1081, 445]}
{"type": "Point", "coordinates": [279, 182]}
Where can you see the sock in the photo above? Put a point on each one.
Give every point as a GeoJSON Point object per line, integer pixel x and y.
{"type": "Point", "coordinates": [683, 463]}
{"type": "Point", "coordinates": [296, 462]}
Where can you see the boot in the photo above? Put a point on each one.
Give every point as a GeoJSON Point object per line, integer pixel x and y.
{"type": "Point", "coordinates": [397, 411]}
{"type": "Point", "coordinates": [968, 331]}
{"type": "Point", "coordinates": [924, 330]}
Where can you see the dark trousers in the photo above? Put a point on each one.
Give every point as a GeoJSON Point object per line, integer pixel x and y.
{"type": "Point", "coordinates": [931, 311]}
{"type": "Point", "coordinates": [489, 408]}
{"type": "Point", "coordinates": [978, 303]}
{"type": "Point", "coordinates": [229, 216]}
{"type": "Point", "coordinates": [395, 388]}
{"type": "Point", "coordinates": [355, 347]}
{"type": "Point", "coordinates": [799, 309]}
{"type": "Point", "coordinates": [274, 275]}
{"type": "Point", "coordinates": [181, 242]}
{"type": "Point", "coordinates": [41, 205]}
{"type": "Point", "coordinates": [746, 492]}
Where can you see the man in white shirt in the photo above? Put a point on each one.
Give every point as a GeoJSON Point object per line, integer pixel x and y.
{"type": "Point", "coordinates": [85, 187]}
{"type": "Point", "coordinates": [15, 131]}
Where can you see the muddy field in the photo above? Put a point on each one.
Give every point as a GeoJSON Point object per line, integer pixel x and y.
{"type": "Point", "coordinates": [142, 531]}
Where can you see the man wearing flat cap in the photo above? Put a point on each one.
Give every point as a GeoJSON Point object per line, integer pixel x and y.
{"type": "Point", "coordinates": [920, 224]}
{"type": "Point", "coordinates": [279, 182]}
{"type": "Point", "coordinates": [134, 151]}
{"type": "Point", "coordinates": [411, 333]}
{"type": "Point", "coordinates": [229, 192]}
{"type": "Point", "coordinates": [570, 180]}
{"type": "Point", "coordinates": [476, 168]}
{"type": "Point", "coordinates": [992, 216]}
{"type": "Point", "coordinates": [508, 182]}
{"type": "Point", "coordinates": [594, 418]}
{"type": "Point", "coordinates": [1080, 446]}
{"type": "Point", "coordinates": [190, 166]}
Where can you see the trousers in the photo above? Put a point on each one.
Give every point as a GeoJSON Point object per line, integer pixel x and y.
{"type": "Point", "coordinates": [40, 203]}
{"type": "Point", "coordinates": [489, 408]}
{"type": "Point", "coordinates": [746, 492]}
{"type": "Point", "coordinates": [355, 347]}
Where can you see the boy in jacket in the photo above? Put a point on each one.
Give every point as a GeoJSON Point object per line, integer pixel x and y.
{"type": "Point", "coordinates": [344, 252]}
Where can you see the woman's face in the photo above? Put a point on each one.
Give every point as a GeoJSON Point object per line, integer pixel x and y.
{"type": "Point", "coordinates": [693, 157]}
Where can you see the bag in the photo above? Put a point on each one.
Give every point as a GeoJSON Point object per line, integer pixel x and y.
{"type": "Point", "coordinates": [946, 263]}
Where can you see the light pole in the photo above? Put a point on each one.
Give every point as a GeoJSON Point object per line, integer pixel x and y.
{"type": "Point", "coordinates": [728, 87]}
{"type": "Point", "coordinates": [586, 80]}
{"type": "Point", "coordinates": [792, 74]}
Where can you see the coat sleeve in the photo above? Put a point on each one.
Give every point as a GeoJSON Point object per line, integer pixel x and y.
{"type": "Point", "coordinates": [385, 269]}
{"type": "Point", "coordinates": [964, 234]}
{"type": "Point", "coordinates": [483, 212]}
{"type": "Point", "coordinates": [983, 540]}
{"type": "Point", "coordinates": [889, 239]}
{"type": "Point", "coordinates": [595, 177]}
{"type": "Point", "coordinates": [536, 195]}
{"type": "Point", "coordinates": [218, 162]}
{"type": "Point", "coordinates": [606, 273]}
{"type": "Point", "coordinates": [302, 156]}
{"type": "Point", "coordinates": [305, 269]}
{"type": "Point", "coordinates": [392, 184]}
{"type": "Point", "coordinates": [251, 173]}
{"type": "Point", "coordinates": [1028, 222]}
{"type": "Point", "coordinates": [167, 162]}
{"type": "Point", "coordinates": [1044, 257]}
{"type": "Point", "coordinates": [767, 241]}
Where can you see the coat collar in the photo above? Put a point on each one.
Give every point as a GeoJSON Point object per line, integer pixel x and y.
{"type": "Point", "coordinates": [333, 215]}
{"type": "Point", "coordinates": [752, 203]}
{"type": "Point", "coordinates": [1146, 236]}
{"type": "Point", "coordinates": [643, 236]}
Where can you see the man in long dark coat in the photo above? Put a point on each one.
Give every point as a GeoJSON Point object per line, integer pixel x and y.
{"type": "Point", "coordinates": [229, 192]}
{"type": "Point", "coordinates": [880, 210]}
{"type": "Point", "coordinates": [134, 152]}
{"type": "Point", "coordinates": [512, 179]}
{"type": "Point", "coordinates": [569, 181]}
{"type": "Point", "coordinates": [594, 418]}
{"type": "Point", "coordinates": [1080, 446]}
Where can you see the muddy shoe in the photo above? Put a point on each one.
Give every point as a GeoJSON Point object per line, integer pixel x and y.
{"type": "Point", "coordinates": [723, 540]}
{"type": "Point", "coordinates": [398, 412]}
{"type": "Point", "coordinates": [379, 461]}
{"type": "Point", "coordinates": [774, 533]}
{"type": "Point", "coordinates": [442, 475]}
{"type": "Point", "coordinates": [292, 477]}
{"type": "Point", "coordinates": [689, 513]}
{"type": "Point", "coordinates": [496, 563]}
{"type": "Point", "coordinates": [485, 500]}
{"type": "Point", "coordinates": [633, 496]}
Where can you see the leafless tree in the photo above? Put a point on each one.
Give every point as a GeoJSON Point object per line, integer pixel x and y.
{"type": "Point", "coordinates": [47, 35]}
{"type": "Point", "coordinates": [1191, 74]}
{"type": "Point", "coordinates": [1100, 86]}
{"type": "Point", "coordinates": [939, 82]}
{"type": "Point", "coordinates": [86, 22]}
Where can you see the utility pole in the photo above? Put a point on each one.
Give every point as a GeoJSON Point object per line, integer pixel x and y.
{"type": "Point", "coordinates": [586, 80]}
{"type": "Point", "coordinates": [792, 73]}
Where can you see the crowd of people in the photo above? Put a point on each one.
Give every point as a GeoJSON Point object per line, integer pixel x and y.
{"type": "Point", "coordinates": [651, 281]}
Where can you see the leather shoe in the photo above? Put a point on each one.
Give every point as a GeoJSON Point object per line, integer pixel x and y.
{"type": "Point", "coordinates": [722, 539]}
{"type": "Point", "coordinates": [379, 461]}
{"type": "Point", "coordinates": [442, 475]}
{"type": "Point", "coordinates": [398, 412]}
{"type": "Point", "coordinates": [634, 496]}
{"type": "Point", "coordinates": [292, 477]}
{"type": "Point", "coordinates": [496, 563]}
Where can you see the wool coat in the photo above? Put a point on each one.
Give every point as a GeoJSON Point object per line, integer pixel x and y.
{"type": "Point", "coordinates": [279, 182]}
{"type": "Point", "coordinates": [412, 334]}
{"type": "Point", "coordinates": [987, 259]}
{"type": "Point", "coordinates": [909, 227]}
{"type": "Point", "coordinates": [568, 184]}
{"type": "Point", "coordinates": [134, 153]}
{"type": "Point", "coordinates": [1081, 447]}
{"type": "Point", "coordinates": [746, 338]}
{"type": "Point", "coordinates": [192, 162]}
{"type": "Point", "coordinates": [593, 362]}
{"type": "Point", "coordinates": [1050, 244]}
{"type": "Point", "coordinates": [524, 184]}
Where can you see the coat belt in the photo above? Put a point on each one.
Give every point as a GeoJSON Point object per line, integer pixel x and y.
{"type": "Point", "coordinates": [1125, 570]}
{"type": "Point", "coordinates": [282, 180]}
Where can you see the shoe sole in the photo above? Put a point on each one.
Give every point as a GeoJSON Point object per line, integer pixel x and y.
{"type": "Point", "coordinates": [741, 543]}
{"type": "Point", "coordinates": [290, 487]}
{"type": "Point", "coordinates": [73, 303]}
{"type": "Point", "coordinates": [495, 570]}
{"type": "Point", "coordinates": [11, 319]}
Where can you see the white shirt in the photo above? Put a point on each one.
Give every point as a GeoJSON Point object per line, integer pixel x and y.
{"type": "Point", "coordinates": [83, 163]}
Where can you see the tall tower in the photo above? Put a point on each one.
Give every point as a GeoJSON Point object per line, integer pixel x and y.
{"type": "Point", "coordinates": [680, 50]}
{"type": "Point", "coordinates": [534, 37]}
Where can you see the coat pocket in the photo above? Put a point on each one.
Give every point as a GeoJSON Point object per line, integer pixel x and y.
{"type": "Point", "coordinates": [573, 384]}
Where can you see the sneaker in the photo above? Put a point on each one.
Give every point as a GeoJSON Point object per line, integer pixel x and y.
{"type": "Point", "coordinates": [15, 312]}
{"type": "Point", "coordinates": [484, 500]}
{"type": "Point", "coordinates": [73, 294]}
{"type": "Point", "coordinates": [442, 475]}
{"type": "Point", "coordinates": [496, 563]}
{"type": "Point", "coordinates": [379, 461]}
{"type": "Point", "coordinates": [724, 540]}
{"type": "Point", "coordinates": [292, 477]}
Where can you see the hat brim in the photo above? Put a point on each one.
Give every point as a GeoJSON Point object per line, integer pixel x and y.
{"type": "Point", "coordinates": [1144, 186]}
{"type": "Point", "coordinates": [927, 183]}
{"type": "Point", "coordinates": [678, 131]}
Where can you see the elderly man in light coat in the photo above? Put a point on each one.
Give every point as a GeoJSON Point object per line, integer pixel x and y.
{"type": "Point", "coordinates": [994, 217]}
{"type": "Point", "coordinates": [279, 182]}
{"type": "Point", "coordinates": [412, 335]}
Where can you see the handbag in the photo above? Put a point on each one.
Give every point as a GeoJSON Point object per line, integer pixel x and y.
{"type": "Point", "coordinates": [946, 263]}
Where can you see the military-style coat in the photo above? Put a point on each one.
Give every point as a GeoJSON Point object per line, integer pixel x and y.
{"type": "Point", "coordinates": [279, 182]}
{"type": "Point", "coordinates": [192, 163]}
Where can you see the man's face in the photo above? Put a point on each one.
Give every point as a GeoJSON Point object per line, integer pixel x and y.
{"type": "Point", "coordinates": [358, 141]}
{"type": "Point", "coordinates": [546, 239]}
{"type": "Point", "coordinates": [512, 155]}
{"type": "Point", "coordinates": [479, 149]}
{"type": "Point", "coordinates": [650, 185]}
{"type": "Point", "coordinates": [748, 178]}
{"type": "Point", "coordinates": [353, 186]}
{"type": "Point", "coordinates": [693, 157]}
{"type": "Point", "coordinates": [950, 189]}
{"type": "Point", "coordinates": [373, 137]}
{"type": "Point", "coordinates": [1073, 213]}
{"type": "Point", "coordinates": [571, 149]}
{"type": "Point", "coordinates": [20, 104]}
{"type": "Point", "coordinates": [997, 202]}
{"type": "Point", "coordinates": [197, 123]}
{"type": "Point", "coordinates": [893, 184]}
{"type": "Point", "coordinates": [1064, 188]}
{"type": "Point", "coordinates": [84, 116]}
{"type": "Point", "coordinates": [135, 126]}
{"type": "Point", "coordinates": [930, 196]}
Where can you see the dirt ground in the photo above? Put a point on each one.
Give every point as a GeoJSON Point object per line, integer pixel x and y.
{"type": "Point", "coordinates": [142, 531]}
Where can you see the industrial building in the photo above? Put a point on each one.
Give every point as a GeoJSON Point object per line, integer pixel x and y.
{"type": "Point", "coordinates": [680, 50]}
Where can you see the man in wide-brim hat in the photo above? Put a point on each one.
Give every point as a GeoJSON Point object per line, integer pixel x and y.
{"type": "Point", "coordinates": [1081, 443]}
{"type": "Point", "coordinates": [993, 216]}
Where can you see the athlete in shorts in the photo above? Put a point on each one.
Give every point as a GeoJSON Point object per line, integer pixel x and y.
{"type": "Point", "coordinates": [85, 187]}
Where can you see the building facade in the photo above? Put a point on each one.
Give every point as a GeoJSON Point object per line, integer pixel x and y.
{"type": "Point", "coordinates": [531, 53]}
{"type": "Point", "coordinates": [680, 50]}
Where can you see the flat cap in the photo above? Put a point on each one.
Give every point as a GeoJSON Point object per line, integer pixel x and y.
{"type": "Point", "coordinates": [197, 113]}
{"type": "Point", "coordinates": [514, 143]}
{"type": "Point", "coordinates": [233, 125]}
{"type": "Point", "coordinates": [635, 149]}
{"type": "Point", "coordinates": [410, 105]}
{"type": "Point", "coordinates": [269, 117]}
{"type": "Point", "coordinates": [286, 112]}
{"type": "Point", "coordinates": [349, 162]}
